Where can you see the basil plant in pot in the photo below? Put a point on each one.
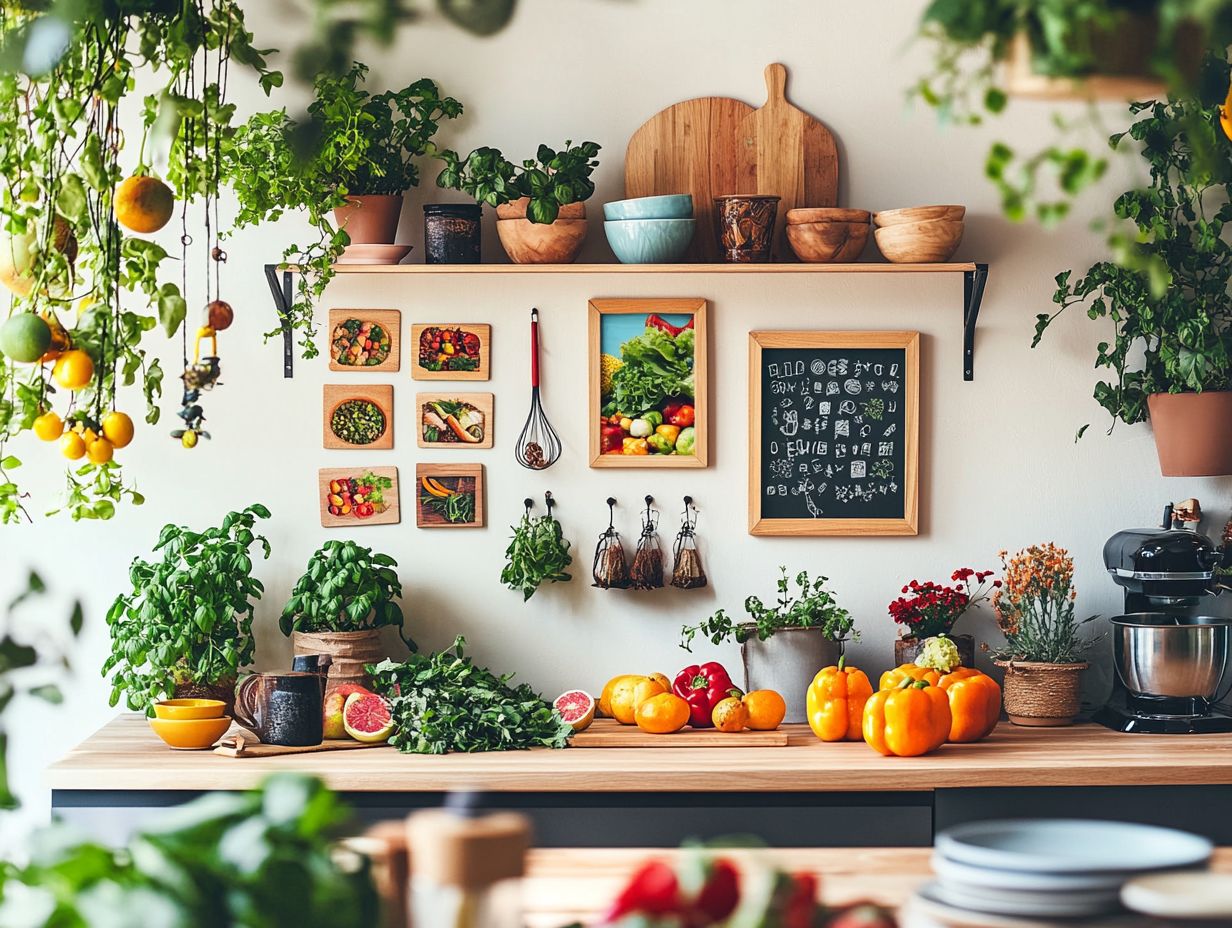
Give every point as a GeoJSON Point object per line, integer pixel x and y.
{"type": "Point", "coordinates": [782, 646]}
{"type": "Point", "coordinates": [339, 606]}
{"type": "Point", "coordinates": [185, 629]}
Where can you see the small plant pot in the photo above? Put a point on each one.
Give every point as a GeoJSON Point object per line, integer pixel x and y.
{"type": "Point", "coordinates": [786, 662]}
{"type": "Point", "coordinates": [370, 219]}
{"type": "Point", "coordinates": [223, 690]}
{"type": "Point", "coordinates": [452, 233]}
{"type": "Point", "coordinates": [1041, 695]}
{"type": "Point", "coordinates": [349, 653]}
{"type": "Point", "coordinates": [744, 227]}
{"type": "Point", "coordinates": [1193, 432]}
{"type": "Point", "coordinates": [529, 242]}
{"type": "Point", "coordinates": [906, 650]}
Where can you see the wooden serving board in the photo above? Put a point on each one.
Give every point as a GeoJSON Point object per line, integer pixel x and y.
{"type": "Point", "coordinates": [608, 733]}
{"type": "Point", "coordinates": [785, 152]}
{"type": "Point", "coordinates": [392, 514]}
{"type": "Point", "coordinates": [244, 744]}
{"type": "Point", "coordinates": [484, 402]}
{"type": "Point", "coordinates": [690, 147]}
{"type": "Point", "coordinates": [334, 395]}
{"type": "Point", "coordinates": [482, 332]}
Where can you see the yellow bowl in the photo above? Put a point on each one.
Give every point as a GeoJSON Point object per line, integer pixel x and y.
{"type": "Point", "coordinates": [180, 709]}
{"type": "Point", "coordinates": [190, 734]}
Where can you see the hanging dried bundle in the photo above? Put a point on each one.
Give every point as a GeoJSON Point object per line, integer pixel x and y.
{"type": "Point", "coordinates": [647, 570]}
{"type": "Point", "coordinates": [688, 573]}
{"type": "Point", "coordinates": [611, 568]}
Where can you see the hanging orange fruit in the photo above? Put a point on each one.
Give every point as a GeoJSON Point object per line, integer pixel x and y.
{"type": "Point", "coordinates": [143, 204]}
{"type": "Point", "coordinates": [118, 428]}
{"type": "Point", "coordinates": [219, 314]}
{"type": "Point", "coordinates": [48, 426]}
{"type": "Point", "coordinates": [100, 451]}
{"type": "Point", "coordinates": [74, 369]}
{"type": "Point", "coordinates": [72, 446]}
{"type": "Point", "coordinates": [59, 337]}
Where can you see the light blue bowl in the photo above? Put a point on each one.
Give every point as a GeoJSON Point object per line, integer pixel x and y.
{"type": "Point", "coordinates": [650, 241]}
{"type": "Point", "coordinates": [669, 206]}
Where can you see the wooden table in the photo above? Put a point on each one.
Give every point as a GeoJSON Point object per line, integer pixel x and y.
{"type": "Point", "coordinates": [643, 795]}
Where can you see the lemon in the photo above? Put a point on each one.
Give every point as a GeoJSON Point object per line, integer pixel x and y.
{"type": "Point", "coordinates": [118, 429]}
{"type": "Point", "coordinates": [189, 439]}
{"type": "Point", "coordinates": [48, 426]}
{"type": "Point", "coordinates": [72, 446]}
{"type": "Point", "coordinates": [100, 451]}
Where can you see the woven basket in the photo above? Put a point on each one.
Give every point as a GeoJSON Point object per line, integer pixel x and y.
{"type": "Point", "coordinates": [1042, 695]}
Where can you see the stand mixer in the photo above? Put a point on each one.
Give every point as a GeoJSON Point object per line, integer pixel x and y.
{"type": "Point", "coordinates": [1168, 661]}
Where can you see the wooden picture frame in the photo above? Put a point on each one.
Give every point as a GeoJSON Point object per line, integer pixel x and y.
{"type": "Point", "coordinates": [390, 515]}
{"type": "Point", "coordinates": [697, 309]}
{"type": "Point", "coordinates": [484, 402]}
{"type": "Point", "coordinates": [480, 331]}
{"type": "Point", "coordinates": [335, 394]}
{"type": "Point", "coordinates": [464, 477]}
{"type": "Point", "coordinates": [388, 319]}
{"type": "Point", "coordinates": [822, 429]}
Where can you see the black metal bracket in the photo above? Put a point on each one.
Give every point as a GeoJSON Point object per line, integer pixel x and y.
{"type": "Point", "coordinates": [973, 296]}
{"type": "Point", "coordinates": [283, 296]}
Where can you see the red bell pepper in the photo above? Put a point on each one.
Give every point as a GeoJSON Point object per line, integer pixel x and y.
{"type": "Point", "coordinates": [655, 891]}
{"type": "Point", "coordinates": [702, 686]}
{"type": "Point", "coordinates": [611, 438]}
{"type": "Point", "coordinates": [679, 414]}
{"type": "Point", "coordinates": [655, 321]}
{"type": "Point", "coordinates": [652, 890]}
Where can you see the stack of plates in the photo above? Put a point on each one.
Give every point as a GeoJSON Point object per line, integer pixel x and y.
{"type": "Point", "coordinates": [1035, 872]}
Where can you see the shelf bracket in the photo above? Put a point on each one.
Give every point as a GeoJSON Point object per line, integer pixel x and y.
{"type": "Point", "coordinates": [973, 296]}
{"type": "Point", "coordinates": [283, 296]}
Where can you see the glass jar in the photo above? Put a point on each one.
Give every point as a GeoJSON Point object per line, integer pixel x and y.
{"type": "Point", "coordinates": [452, 233]}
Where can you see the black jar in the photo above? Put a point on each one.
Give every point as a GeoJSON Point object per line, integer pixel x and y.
{"type": "Point", "coordinates": [451, 233]}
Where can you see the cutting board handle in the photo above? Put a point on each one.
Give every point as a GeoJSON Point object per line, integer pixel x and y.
{"type": "Point", "coordinates": [776, 83]}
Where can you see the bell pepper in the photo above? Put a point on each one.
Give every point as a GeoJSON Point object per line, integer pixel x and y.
{"type": "Point", "coordinates": [670, 432]}
{"type": "Point", "coordinates": [659, 444]}
{"type": "Point", "coordinates": [635, 446]}
{"type": "Point", "coordinates": [679, 413]}
{"type": "Point", "coordinates": [655, 321]}
{"type": "Point", "coordinates": [908, 721]}
{"type": "Point", "coordinates": [892, 679]}
{"type": "Point", "coordinates": [835, 702]}
{"type": "Point", "coordinates": [975, 703]}
{"type": "Point", "coordinates": [702, 686]}
{"type": "Point", "coordinates": [657, 893]}
{"type": "Point", "coordinates": [611, 438]}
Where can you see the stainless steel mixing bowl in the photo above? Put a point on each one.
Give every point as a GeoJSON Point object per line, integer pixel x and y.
{"type": "Point", "coordinates": [1158, 654]}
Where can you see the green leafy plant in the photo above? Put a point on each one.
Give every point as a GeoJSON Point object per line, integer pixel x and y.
{"type": "Point", "coordinates": [655, 366]}
{"type": "Point", "coordinates": [188, 618]}
{"type": "Point", "coordinates": [538, 552]}
{"type": "Point", "coordinates": [815, 607]}
{"type": "Point", "coordinates": [345, 588]}
{"type": "Point", "coordinates": [1165, 296]}
{"type": "Point", "coordinates": [551, 179]}
{"type": "Point", "coordinates": [350, 142]}
{"type": "Point", "coordinates": [443, 702]}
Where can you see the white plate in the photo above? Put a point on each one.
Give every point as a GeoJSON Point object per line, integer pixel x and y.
{"type": "Point", "coordinates": [1082, 904]}
{"type": "Point", "coordinates": [966, 874]}
{"type": "Point", "coordinates": [1181, 895]}
{"type": "Point", "coordinates": [926, 905]}
{"type": "Point", "coordinates": [1072, 846]}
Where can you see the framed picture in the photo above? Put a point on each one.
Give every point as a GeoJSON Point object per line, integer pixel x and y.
{"type": "Point", "coordinates": [449, 496]}
{"type": "Point", "coordinates": [834, 433]}
{"type": "Point", "coordinates": [358, 417]}
{"type": "Point", "coordinates": [445, 351]}
{"type": "Point", "coordinates": [354, 496]}
{"type": "Point", "coordinates": [364, 339]}
{"type": "Point", "coordinates": [649, 406]}
{"type": "Point", "coordinates": [454, 420]}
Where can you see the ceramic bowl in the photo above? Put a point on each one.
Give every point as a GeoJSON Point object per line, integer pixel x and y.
{"type": "Point", "coordinates": [929, 242]}
{"type": "Point", "coordinates": [894, 217]}
{"type": "Point", "coordinates": [190, 734]}
{"type": "Point", "coordinates": [650, 241]}
{"type": "Point", "coordinates": [529, 242]}
{"type": "Point", "coordinates": [826, 214]}
{"type": "Point", "coordinates": [669, 206]}
{"type": "Point", "coordinates": [820, 242]}
{"type": "Point", "coordinates": [180, 709]}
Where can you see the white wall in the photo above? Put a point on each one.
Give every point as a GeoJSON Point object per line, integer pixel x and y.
{"type": "Point", "coordinates": [999, 465]}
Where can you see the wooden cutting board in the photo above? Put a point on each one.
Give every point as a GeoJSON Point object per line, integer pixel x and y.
{"type": "Point", "coordinates": [608, 733]}
{"type": "Point", "coordinates": [242, 744]}
{"type": "Point", "coordinates": [786, 152]}
{"type": "Point", "coordinates": [691, 147]}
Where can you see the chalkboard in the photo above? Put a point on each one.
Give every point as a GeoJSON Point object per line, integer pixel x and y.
{"type": "Point", "coordinates": [833, 433]}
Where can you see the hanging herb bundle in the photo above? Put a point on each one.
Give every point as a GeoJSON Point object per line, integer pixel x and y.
{"type": "Point", "coordinates": [647, 570]}
{"type": "Point", "coordinates": [537, 552]}
{"type": "Point", "coordinates": [688, 573]}
{"type": "Point", "coordinates": [610, 568]}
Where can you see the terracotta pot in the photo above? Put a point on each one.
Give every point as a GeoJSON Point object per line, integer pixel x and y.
{"type": "Point", "coordinates": [906, 650]}
{"type": "Point", "coordinates": [517, 210]}
{"type": "Point", "coordinates": [370, 219]}
{"type": "Point", "coordinates": [452, 233]}
{"type": "Point", "coordinates": [349, 652]}
{"type": "Point", "coordinates": [1193, 432]}
{"type": "Point", "coordinates": [1042, 695]}
{"type": "Point", "coordinates": [529, 242]}
{"type": "Point", "coordinates": [223, 690]}
{"type": "Point", "coordinates": [744, 227]}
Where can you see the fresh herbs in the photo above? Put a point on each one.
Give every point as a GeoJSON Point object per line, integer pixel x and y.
{"type": "Point", "coordinates": [656, 365]}
{"type": "Point", "coordinates": [551, 179]}
{"type": "Point", "coordinates": [443, 702]}
{"type": "Point", "coordinates": [344, 588]}
{"type": "Point", "coordinates": [537, 552]}
{"type": "Point", "coordinates": [189, 616]}
{"type": "Point", "coordinates": [358, 422]}
{"type": "Point", "coordinates": [458, 507]}
{"type": "Point", "coordinates": [815, 608]}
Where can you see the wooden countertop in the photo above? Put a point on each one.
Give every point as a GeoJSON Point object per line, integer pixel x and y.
{"type": "Point", "coordinates": [125, 755]}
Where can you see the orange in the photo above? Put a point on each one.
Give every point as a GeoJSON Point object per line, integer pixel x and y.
{"type": "Point", "coordinates": [631, 692]}
{"type": "Point", "coordinates": [73, 369]}
{"type": "Point", "coordinates": [118, 429]}
{"type": "Point", "coordinates": [59, 338]}
{"type": "Point", "coordinates": [100, 451]}
{"type": "Point", "coordinates": [143, 204]}
{"type": "Point", "coordinates": [48, 426]}
{"type": "Point", "coordinates": [766, 709]}
{"type": "Point", "coordinates": [663, 681]}
{"type": "Point", "coordinates": [730, 715]}
{"type": "Point", "coordinates": [662, 714]}
{"type": "Point", "coordinates": [72, 446]}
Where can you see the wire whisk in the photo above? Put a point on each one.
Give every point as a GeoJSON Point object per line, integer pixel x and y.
{"type": "Point", "coordinates": [538, 446]}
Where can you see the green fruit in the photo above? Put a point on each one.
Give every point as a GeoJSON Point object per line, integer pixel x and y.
{"type": "Point", "coordinates": [25, 338]}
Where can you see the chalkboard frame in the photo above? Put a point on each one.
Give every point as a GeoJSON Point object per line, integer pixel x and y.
{"type": "Point", "coordinates": [908, 522]}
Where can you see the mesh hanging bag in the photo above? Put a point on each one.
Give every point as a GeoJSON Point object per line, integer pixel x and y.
{"type": "Point", "coordinates": [611, 568]}
{"type": "Point", "coordinates": [647, 570]}
{"type": "Point", "coordinates": [688, 573]}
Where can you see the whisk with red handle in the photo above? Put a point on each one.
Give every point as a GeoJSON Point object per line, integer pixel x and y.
{"type": "Point", "coordinates": [538, 446]}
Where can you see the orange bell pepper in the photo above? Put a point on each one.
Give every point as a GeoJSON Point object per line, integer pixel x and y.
{"type": "Point", "coordinates": [835, 702]}
{"type": "Point", "coordinates": [893, 679]}
{"type": "Point", "coordinates": [911, 720]}
{"type": "Point", "coordinates": [975, 703]}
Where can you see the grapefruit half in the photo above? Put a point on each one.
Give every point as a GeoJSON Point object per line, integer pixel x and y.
{"type": "Point", "coordinates": [577, 707]}
{"type": "Point", "coordinates": [365, 717]}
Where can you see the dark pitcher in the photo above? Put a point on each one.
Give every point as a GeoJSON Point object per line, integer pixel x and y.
{"type": "Point", "coordinates": [282, 708]}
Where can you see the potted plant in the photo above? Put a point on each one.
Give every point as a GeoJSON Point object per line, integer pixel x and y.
{"type": "Point", "coordinates": [185, 629]}
{"type": "Point", "coordinates": [783, 645]}
{"type": "Point", "coordinates": [347, 165]}
{"type": "Point", "coordinates": [1043, 648]}
{"type": "Point", "coordinates": [339, 606]}
{"type": "Point", "coordinates": [928, 609]}
{"type": "Point", "coordinates": [1165, 297]}
{"type": "Point", "coordinates": [540, 204]}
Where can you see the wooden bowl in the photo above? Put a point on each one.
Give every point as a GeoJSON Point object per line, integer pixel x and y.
{"type": "Point", "coordinates": [929, 242]}
{"type": "Point", "coordinates": [826, 214]}
{"type": "Point", "coordinates": [529, 242]}
{"type": "Point", "coordinates": [821, 242]}
{"type": "Point", "coordinates": [894, 217]}
{"type": "Point", "coordinates": [516, 209]}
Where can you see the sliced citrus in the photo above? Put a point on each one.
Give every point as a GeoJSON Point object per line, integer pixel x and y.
{"type": "Point", "coordinates": [365, 717]}
{"type": "Point", "coordinates": [577, 707]}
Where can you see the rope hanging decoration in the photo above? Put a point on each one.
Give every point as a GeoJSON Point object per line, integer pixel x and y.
{"type": "Point", "coordinates": [688, 573]}
{"type": "Point", "coordinates": [647, 570]}
{"type": "Point", "coordinates": [610, 569]}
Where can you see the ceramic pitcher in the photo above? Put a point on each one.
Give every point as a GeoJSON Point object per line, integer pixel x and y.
{"type": "Point", "coordinates": [282, 708]}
